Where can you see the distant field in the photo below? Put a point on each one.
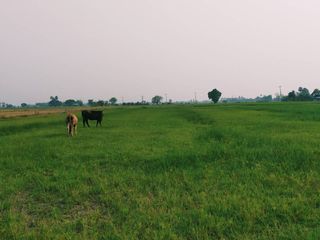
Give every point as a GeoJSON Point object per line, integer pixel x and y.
{"type": "Point", "coordinates": [242, 171]}
{"type": "Point", "coordinates": [12, 113]}
{"type": "Point", "coordinates": [27, 112]}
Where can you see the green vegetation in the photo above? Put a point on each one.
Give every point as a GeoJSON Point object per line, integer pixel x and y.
{"type": "Point", "coordinates": [246, 171]}
{"type": "Point", "coordinates": [156, 99]}
{"type": "Point", "coordinates": [214, 95]}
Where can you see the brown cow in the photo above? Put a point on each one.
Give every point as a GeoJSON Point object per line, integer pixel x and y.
{"type": "Point", "coordinates": [72, 122]}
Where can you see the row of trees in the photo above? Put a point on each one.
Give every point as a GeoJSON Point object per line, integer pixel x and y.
{"type": "Point", "coordinates": [214, 95]}
{"type": "Point", "coordinates": [112, 101]}
{"type": "Point", "coordinates": [261, 98]}
{"type": "Point", "coordinates": [55, 102]}
{"type": "Point", "coordinates": [302, 94]}
{"type": "Point", "coordinates": [5, 105]}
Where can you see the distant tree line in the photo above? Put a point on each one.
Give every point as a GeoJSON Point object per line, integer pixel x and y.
{"type": "Point", "coordinates": [6, 105]}
{"type": "Point", "coordinates": [55, 102]}
{"type": "Point", "coordinates": [261, 98]}
{"type": "Point", "coordinates": [302, 94]}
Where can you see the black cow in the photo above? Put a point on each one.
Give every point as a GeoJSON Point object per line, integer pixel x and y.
{"type": "Point", "coordinates": [91, 115]}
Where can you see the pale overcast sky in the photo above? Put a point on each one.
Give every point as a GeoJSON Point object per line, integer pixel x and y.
{"type": "Point", "coordinates": [99, 49]}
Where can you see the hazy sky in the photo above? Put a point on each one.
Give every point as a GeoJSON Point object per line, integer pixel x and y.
{"type": "Point", "coordinates": [99, 49]}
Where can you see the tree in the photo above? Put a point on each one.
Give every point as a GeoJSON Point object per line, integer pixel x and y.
{"type": "Point", "coordinates": [113, 100]}
{"type": "Point", "coordinates": [315, 93]}
{"type": "Point", "coordinates": [79, 103]}
{"type": "Point", "coordinates": [23, 105]}
{"type": "Point", "coordinates": [292, 96]}
{"type": "Point", "coordinates": [156, 99]}
{"type": "Point", "coordinates": [266, 98]}
{"type": "Point", "coordinates": [100, 103]}
{"type": "Point", "coordinates": [214, 95]}
{"type": "Point", "coordinates": [54, 101]}
{"type": "Point", "coordinates": [91, 102]}
{"type": "Point", "coordinates": [304, 94]}
{"type": "Point", "coordinates": [9, 105]}
{"type": "Point", "coordinates": [70, 102]}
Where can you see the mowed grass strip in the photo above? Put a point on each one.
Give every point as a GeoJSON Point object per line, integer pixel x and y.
{"type": "Point", "coordinates": [246, 171]}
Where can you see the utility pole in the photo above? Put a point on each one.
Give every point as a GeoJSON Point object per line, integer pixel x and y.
{"type": "Point", "coordinates": [142, 100]}
{"type": "Point", "coordinates": [195, 96]}
{"type": "Point", "coordinates": [166, 97]}
{"type": "Point", "coordinates": [280, 92]}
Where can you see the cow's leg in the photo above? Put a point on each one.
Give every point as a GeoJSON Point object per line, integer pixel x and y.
{"type": "Point", "coordinates": [87, 122]}
{"type": "Point", "coordinates": [84, 122]}
{"type": "Point", "coordinates": [69, 130]}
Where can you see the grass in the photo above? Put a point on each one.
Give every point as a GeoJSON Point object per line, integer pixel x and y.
{"type": "Point", "coordinates": [242, 171]}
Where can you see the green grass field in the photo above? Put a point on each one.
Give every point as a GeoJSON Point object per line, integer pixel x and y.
{"type": "Point", "coordinates": [242, 171]}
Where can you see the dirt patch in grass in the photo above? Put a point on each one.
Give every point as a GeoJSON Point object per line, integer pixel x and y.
{"type": "Point", "coordinates": [29, 112]}
{"type": "Point", "coordinates": [13, 113]}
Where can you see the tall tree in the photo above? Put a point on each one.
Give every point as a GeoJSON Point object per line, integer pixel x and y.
{"type": "Point", "coordinates": [266, 98]}
{"type": "Point", "coordinates": [113, 100]}
{"type": "Point", "coordinates": [91, 102]}
{"type": "Point", "coordinates": [156, 99]}
{"type": "Point", "coordinates": [315, 93]}
{"type": "Point", "coordinates": [70, 102]}
{"type": "Point", "coordinates": [100, 103]}
{"type": "Point", "coordinates": [292, 96]}
{"type": "Point", "coordinates": [214, 95]}
{"type": "Point", "coordinates": [54, 101]}
{"type": "Point", "coordinates": [79, 103]}
{"type": "Point", "coordinates": [304, 94]}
